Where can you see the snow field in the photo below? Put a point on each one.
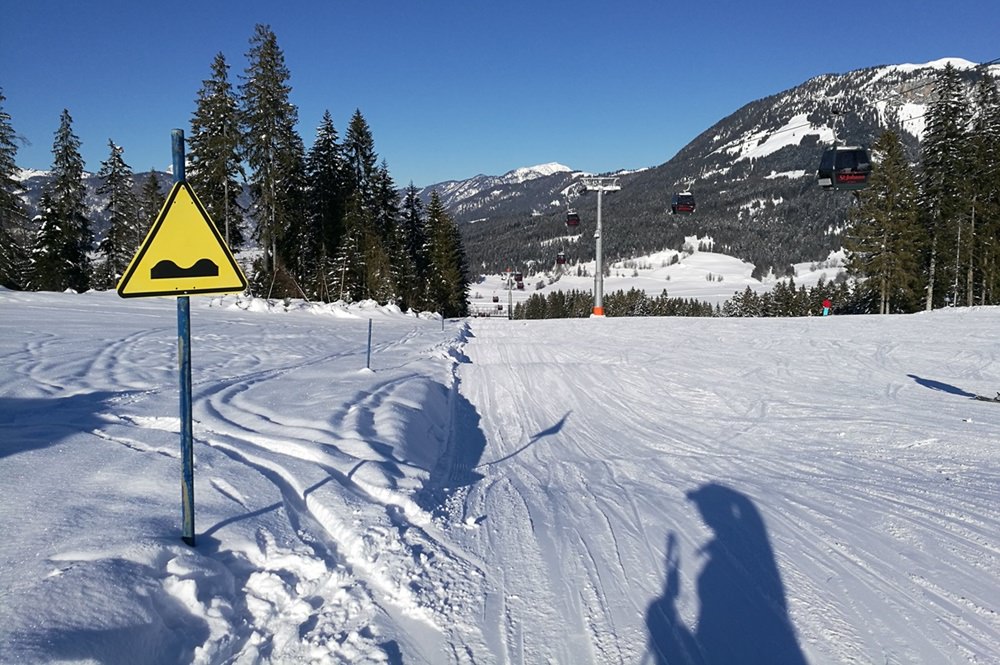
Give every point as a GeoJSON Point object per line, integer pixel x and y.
{"type": "Point", "coordinates": [815, 490]}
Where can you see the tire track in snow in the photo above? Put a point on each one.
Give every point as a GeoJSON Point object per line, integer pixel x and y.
{"type": "Point", "coordinates": [916, 525]}
{"type": "Point", "coordinates": [403, 559]}
{"type": "Point", "coordinates": [336, 544]}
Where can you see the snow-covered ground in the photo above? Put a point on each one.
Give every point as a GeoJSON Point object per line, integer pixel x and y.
{"type": "Point", "coordinates": [818, 490]}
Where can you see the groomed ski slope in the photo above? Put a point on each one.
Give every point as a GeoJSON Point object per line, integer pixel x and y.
{"type": "Point", "coordinates": [818, 490]}
{"type": "Point", "coordinates": [873, 476]}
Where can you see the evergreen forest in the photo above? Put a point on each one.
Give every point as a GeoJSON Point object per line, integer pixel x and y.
{"type": "Point", "coordinates": [324, 223]}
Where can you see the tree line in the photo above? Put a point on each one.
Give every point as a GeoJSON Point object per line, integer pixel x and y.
{"type": "Point", "coordinates": [926, 236]}
{"type": "Point", "coordinates": [325, 223]}
{"type": "Point", "coordinates": [785, 299]}
{"type": "Point", "coordinates": [634, 302]}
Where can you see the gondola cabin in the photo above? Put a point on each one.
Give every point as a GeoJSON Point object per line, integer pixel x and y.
{"type": "Point", "coordinates": [682, 203]}
{"type": "Point", "coordinates": [518, 276]}
{"type": "Point", "coordinates": [496, 298]}
{"type": "Point", "coordinates": [844, 167]}
{"type": "Point", "coordinates": [561, 258]}
{"type": "Point", "coordinates": [572, 218]}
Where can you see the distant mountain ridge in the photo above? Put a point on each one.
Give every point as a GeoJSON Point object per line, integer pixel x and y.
{"type": "Point", "coordinates": [482, 194]}
{"type": "Point", "coordinates": [753, 173]}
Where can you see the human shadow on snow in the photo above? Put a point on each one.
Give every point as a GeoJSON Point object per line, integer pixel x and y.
{"type": "Point", "coordinates": [943, 387]}
{"type": "Point", "coordinates": [743, 615]}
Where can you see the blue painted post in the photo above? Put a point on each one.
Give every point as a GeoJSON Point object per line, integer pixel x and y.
{"type": "Point", "coordinates": [184, 363]}
{"type": "Point", "coordinates": [368, 363]}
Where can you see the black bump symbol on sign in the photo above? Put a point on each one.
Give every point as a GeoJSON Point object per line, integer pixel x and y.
{"type": "Point", "coordinates": [167, 269]}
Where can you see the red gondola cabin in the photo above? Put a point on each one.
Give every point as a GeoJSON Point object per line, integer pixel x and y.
{"type": "Point", "coordinates": [844, 167]}
{"type": "Point", "coordinates": [682, 203]}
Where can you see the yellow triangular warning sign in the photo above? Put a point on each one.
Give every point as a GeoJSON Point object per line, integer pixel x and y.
{"type": "Point", "coordinates": [182, 254]}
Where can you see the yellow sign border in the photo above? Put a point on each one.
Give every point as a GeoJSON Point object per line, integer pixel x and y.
{"type": "Point", "coordinates": [148, 242]}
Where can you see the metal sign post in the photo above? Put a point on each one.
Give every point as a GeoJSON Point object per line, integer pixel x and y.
{"type": "Point", "coordinates": [182, 254]}
{"type": "Point", "coordinates": [184, 365]}
{"type": "Point", "coordinates": [368, 361]}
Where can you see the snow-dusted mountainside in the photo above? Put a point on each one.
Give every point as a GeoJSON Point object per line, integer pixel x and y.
{"type": "Point", "coordinates": [753, 173]}
{"type": "Point", "coordinates": [34, 182]}
{"type": "Point", "coordinates": [526, 188]}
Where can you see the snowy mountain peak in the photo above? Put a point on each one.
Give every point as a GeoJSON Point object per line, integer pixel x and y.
{"type": "Point", "coordinates": [539, 171]}
{"type": "Point", "coordinates": [957, 63]}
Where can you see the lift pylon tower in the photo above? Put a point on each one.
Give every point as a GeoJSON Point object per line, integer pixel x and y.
{"type": "Point", "coordinates": [599, 184]}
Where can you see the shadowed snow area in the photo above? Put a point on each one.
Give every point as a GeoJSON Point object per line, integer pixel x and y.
{"type": "Point", "coordinates": [659, 491]}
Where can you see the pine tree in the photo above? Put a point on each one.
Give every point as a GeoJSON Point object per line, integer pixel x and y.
{"type": "Point", "coordinates": [348, 273]}
{"type": "Point", "coordinates": [151, 200]}
{"type": "Point", "coordinates": [414, 241]}
{"type": "Point", "coordinates": [386, 222]}
{"type": "Point", "coordinates": [379, 202]}
{"type": "Point", "coordinates": [325, 193]}
{"type": "Point", "coordinates": [378, 275]}
{"type": "Point", "coordinates": [984, 214]}
{"type": "Point", "coordinates": [60, 258]}
{"type": "Point", "coordinates": [361, 159]}
{"type": "Point", "coordinates": [122, 210]}
{"type": "Point", "coordinates": [14, 237]}
{"type": "Point", "coordinates": [883, 241]}
{"type": "Point", "coordinates": [46, 269]}
{"type": "Point", "coordinates": [214, 168]}
{"type": "Point", "coordinates": [275, 155]}
{"type": "Point", "coordinates": [944, 156]}
{"type": "Point", "coordinates": [448, 284]}
{"type": "Point", "coordinates": [294, 243]}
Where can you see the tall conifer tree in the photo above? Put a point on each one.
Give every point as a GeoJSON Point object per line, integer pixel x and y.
{"type": "Point", "coordinates": [944, 156]}
{"type": "Point", "coordinates": [371, 183]}
{"type": "Point", "coordinates": [447, 283]}
{"type": "Point", "coordinates": [151, 200]}
{"type": "Point", "coordinates": [984, 213]}
{"type": "Point", "coordinates": [414, 240]}
{"type": "Point", "coordinates": [386, 222]}
{"type": "Point", "coordinates": [883, 240]}
{"type": "Point", "coordinates": [60, 257]}
{"type": "Point", "coordinates": [46, 270]}
{"type": "Point", "coordinates": [275, 154]}
{"type": "Point", "coordinates": [325, 192]}
{"type": "Point", "coordinates": [348, 274]}
{"type": "Point", "coordinates": [362, 161]}
{"type": "Point", "coordinates": [13, 216]}
{"type": "Point", "coordinates": [122, 210]}
{"type": "Point", "coordinates": [214, 168]}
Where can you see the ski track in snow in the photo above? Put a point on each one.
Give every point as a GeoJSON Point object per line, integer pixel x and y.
{"type": "Point", "coordinates": [505, 492]}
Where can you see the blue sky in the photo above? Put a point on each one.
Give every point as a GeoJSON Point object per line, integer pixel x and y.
{"type": "Point", "coordinates": [456, 88]}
